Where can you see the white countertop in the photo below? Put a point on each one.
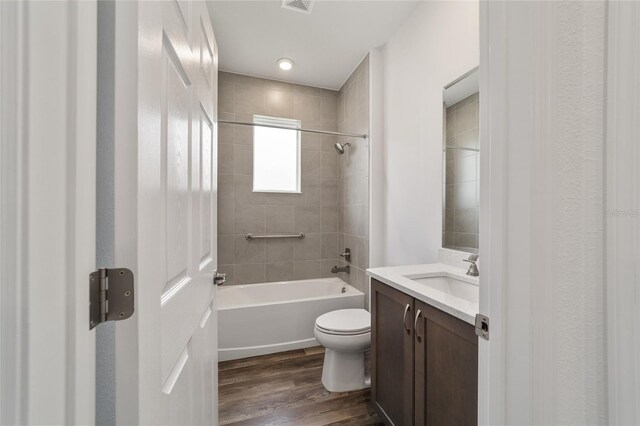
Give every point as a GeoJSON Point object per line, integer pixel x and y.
{"type": "Point", "coordinates": [396, 277]}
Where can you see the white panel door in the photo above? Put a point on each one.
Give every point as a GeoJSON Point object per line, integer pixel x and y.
{"type": "Point", "coordinates": [165, 219]}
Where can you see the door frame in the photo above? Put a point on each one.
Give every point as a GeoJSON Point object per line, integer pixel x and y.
{"type": "Point", "coordinates": [623, 212]}
{"type": "Point", "coordinates": [492, 206]}
{"type": "Point", "coordinates": [47, 216]}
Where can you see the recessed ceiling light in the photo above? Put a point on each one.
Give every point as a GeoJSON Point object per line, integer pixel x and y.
{"type": "Point", "coordinates": [285, 64]}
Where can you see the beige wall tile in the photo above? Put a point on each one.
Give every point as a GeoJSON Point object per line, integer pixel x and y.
{"type": "Point", "coordinates": [226, 249]}
{"type": "Point", "coordinates": [253, 251]}
{"type": "Point", "coordinates": [329, 219]}
{"type": "Point", "coordinates": [241, 210]}
{"type": "Point", "coordinates": [244, 191]}
{"type": "Point", "coordinates": [278, 85]}
{"type": "Point", "coordinates": [363, 252]}
{"type": "Point", "coordinates": [280, 271]}
{"type": "Point", "coordinates": [307, 219]}
{"type": "Point", "coordinates": [226, 189]}
{"type": "Point", "coordinates": [243, 134]}
{"type": "Point", "coordinates": [311, 141]}
{"type": "Point", "coordinates": [311, 192]}
{"type": "Point", "coordinates": [243, 159]}
{"type": "Point", "coordinates": [329, 165]}
{"type": "Point", "coordinates": [311, 167]}
{"type": "Point", "coordinates": [307, 269]}
{"type": "Point", "coordinates": [351, 219]}
{"type": "Point", "coordinates": [329, 192]}
{"type": "Point", "coordinates": [226, 218]}
{"type": "Point", "coordinates": [353, 176]}
{"type": "Point", "coordinates": [280, 219]}
{"type": "Point", "coordinates": [308, 248]}
{"type": "Point", "coordinates": [329, 109]}
{"type": "Point", "coordinates": [250, 273]}
{"type": "Point", "coordinates": [280, 250]}
{"type": "Point", "coordinates": [307, 108]}
{"type": "Point", "coordinates": [363, 220]}
{"type": "Point", "coordinates": [278, 103]}
{"type": "Point", "coordinates": [249, 81]}
{"type": "Point", "coordinates": [226, 92]}
{"type": "Point", "coordinates": [226, 133]}
{"type": "Point", "coordinates": [329, 246]}
{"type": "Point", "coordinates": [249, 99]}
{"type": "Point", "coordinates": [282, 199]}
{"type": "Point", "coordinates": [250, 218]}
{"type": "Point", "coordinates": [226, 158]}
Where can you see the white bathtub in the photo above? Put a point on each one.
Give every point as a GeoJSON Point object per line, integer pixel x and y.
{"type": "Point", "coordinates": [258, 319]}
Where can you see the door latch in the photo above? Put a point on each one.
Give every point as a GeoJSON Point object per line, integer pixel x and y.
{"type": "Point", "coordinates": [219, 278]}
{"type": "Point", "coordinates": [110, 295]}
{"type": "Point", "coordinates": [482, 326]}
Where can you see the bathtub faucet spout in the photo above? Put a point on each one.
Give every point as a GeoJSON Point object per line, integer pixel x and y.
{"type": "Point", "coordinates": [335, 269]}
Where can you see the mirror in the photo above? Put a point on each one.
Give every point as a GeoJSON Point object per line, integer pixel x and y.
{"type": "Point", "coordinates": [461, 163]}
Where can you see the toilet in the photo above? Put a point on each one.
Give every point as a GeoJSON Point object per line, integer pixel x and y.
{"type": "Point", "coordinates": [346, 335]}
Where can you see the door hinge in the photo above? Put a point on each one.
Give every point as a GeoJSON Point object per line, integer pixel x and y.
{"type": "Point", "coordinates": [482, 326]}
{"type": "Point", "coordinates": [110, 295]}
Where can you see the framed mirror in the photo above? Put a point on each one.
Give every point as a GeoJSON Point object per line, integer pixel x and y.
{"type": "Point", "coordinates": [461, 163]}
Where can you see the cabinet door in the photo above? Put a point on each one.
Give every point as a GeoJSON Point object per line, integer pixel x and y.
{"type": "Point", "coordinates": [392, 354]}
{"type": "Point", "coordinates": [446, 369]}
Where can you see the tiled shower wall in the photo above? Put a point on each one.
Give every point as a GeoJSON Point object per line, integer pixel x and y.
{"type": "Point", "coordinates": [240, 210]}
{"type": "Point", "coordinates": [462, 176]}
{"type": "Point", "coordinates": [353, 176]}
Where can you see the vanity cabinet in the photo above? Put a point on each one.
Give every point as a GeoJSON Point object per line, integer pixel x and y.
{"type": "Point", "coordinates": [392, 353]}
{"type": "Point", "coordinates": [424, 362]}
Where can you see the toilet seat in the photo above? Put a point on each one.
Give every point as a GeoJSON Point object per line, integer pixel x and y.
{"type": "Point", "coordinates": [345, 322]}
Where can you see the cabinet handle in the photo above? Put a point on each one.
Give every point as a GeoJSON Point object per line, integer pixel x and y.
{"type": "Point", "coordinates": [415, 325]}
{"type": "Point", "coordinates": [404, 319]}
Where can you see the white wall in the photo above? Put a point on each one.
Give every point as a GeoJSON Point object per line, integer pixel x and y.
{"type": "Point", "coordinates": [437, 44]}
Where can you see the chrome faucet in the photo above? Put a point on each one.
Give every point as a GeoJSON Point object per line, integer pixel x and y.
{"type": "Point", "coordinates": [473, 268]}
{"type": "Point", "coordinates": [335, 269]}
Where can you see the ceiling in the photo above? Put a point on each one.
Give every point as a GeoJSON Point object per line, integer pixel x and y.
{"type": "Point", "coordinates": [326, 45]}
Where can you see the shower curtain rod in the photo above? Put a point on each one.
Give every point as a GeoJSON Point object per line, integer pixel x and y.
{"type": "Point", "coordinates": [272, 126]}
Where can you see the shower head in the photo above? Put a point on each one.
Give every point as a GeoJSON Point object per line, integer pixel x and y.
{"type": "Point", "coordinates": [340, 147]}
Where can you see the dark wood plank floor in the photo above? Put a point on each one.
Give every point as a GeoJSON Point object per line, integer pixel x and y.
{"type": "Point", "coordinates": [286, 389]}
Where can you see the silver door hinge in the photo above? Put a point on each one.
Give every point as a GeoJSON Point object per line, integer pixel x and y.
{"type": "Point", "coordinates": [482, 326]}
{"type": "Point", "coordinates": [110, 295]}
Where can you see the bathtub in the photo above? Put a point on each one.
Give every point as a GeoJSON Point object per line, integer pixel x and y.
{"type": "Point", "coordinates": [258, 319]}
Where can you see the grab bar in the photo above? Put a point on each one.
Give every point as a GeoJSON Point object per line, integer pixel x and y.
{"type": "Point", "coordinates": [299, 236]}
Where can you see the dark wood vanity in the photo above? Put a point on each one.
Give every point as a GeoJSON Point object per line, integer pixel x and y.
{"type": "Point", "coordinates": [424, 362]}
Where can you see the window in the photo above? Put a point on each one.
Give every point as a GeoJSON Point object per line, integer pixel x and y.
{"type": "Point", "coordinates": [276, 155]}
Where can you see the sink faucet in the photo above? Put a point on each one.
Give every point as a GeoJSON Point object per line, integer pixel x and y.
{"type": "Point", "coordinates": [473, 268]}
{"type": "Point", "coordinates": [335, 269]}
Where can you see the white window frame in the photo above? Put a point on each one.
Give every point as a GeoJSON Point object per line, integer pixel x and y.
{"type": "Point", "coordinates": [284, 122]}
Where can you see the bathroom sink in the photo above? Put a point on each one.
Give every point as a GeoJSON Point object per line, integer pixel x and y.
{"type": "Point", "coordinates": [449, 285]}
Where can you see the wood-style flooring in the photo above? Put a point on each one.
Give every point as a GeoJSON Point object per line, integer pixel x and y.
{"type": "Point", "coordinates": [286, 389]}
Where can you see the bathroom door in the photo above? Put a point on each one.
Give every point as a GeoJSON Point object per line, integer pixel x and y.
{"type": "Point", "coordinates": [165, 161]}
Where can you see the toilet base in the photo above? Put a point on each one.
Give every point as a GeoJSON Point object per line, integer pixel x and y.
{"type": "Point", "coordinates": [343, 371]}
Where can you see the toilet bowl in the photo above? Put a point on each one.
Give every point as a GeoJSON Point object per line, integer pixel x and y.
{"type": "Point", "coordinates": [346, 335]}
